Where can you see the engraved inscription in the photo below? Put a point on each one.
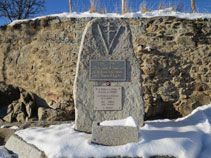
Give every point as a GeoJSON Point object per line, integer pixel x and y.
{"type": "Point", "coordinates": [107, 98]}
{"type": "Point", "coordinates": [111, 70]}
{"type": "Point", "coordinates": [108, 34]}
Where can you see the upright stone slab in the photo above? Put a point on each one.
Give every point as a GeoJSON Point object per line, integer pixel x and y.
{"type": "Point", "coordinates": [108, 79]}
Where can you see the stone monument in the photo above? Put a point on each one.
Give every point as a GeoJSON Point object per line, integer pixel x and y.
{"type": "Point", "coordinates": [108, 79]}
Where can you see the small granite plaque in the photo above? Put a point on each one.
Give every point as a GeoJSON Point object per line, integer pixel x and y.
{"type": "Point", "coordinates": [111, 70]}
{"type": "Point", "coordinates": [107, 98]}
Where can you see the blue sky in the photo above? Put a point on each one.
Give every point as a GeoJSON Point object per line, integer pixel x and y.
{"type": "Point", "coordinates": [59, 6]}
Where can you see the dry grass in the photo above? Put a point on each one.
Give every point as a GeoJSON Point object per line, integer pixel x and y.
{"type": "Point", "coordinates": [126, 9]}
{"type": "Point", "coordinates": [93, 6]}
{"type": "Point", "coordinates": [174, 6]}
{"type": "Point", "coordinates": [162, 5]}
{"type": "Point", "coordinates": [178, 7]}
{"type": "Point", "coordinates": [123, 7]}
{"type": "Point", "coordinates": [143, 7]}
{"type": "Point", "coordinates": [94, 9]}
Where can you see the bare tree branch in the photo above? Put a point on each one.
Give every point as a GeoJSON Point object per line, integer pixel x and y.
{"type": "Point", "coordinates": [20, 9]}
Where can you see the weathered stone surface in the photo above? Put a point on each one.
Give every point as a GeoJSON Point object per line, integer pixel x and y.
{"type": "Point", "coordinates": [107, 39]}
{"type": "Point", "coordinates": [114, 135]}
{"type": "Point", "coordinates": [18, 105]}
{"type": "Point", "coordinates": [19, 108]}
{"type": "Point", "coordinates": [1, 121]}
{"type": "Point", "coordinates": [29, 100]}
{"type": "Point", "coordinates": [40, 56]}
{"type": "Point", "coordinates": [5, 133]}
{"type": "Point", "coordinates": [23, 149]}
{"type": "Point", "coordinates": [8, 117]}
{"type": "Point", "coordinates": [8, 94]}
{"type": "Point", "coordinates": [20, 117]}
{"type": "Point", "coordinates": [47, 114]}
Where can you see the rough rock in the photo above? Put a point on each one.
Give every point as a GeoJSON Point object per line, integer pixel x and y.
{"type": "Point", "coordinates": [96, 46]}
{"type": "Point", "coordinates": [5, 133]}
{"type": "Point", "coordinates": [23, 149]}
{"type": "Point", "coordinates": [8, 117]}
{"type": "Point", "coordinates": [168, 92]}
{"type": "Point", "coordinates": [29, 100]}
{"type": "Point", "coordinates": [21, 109]}
{"type": "Point", "coordinates": [1, 121]}
{"type": "Point", "coordinates": [20, 117]}
{"type": "Point", "coordinates": [114, 135]}
{"type": "Point", "coordinates": [48, 114]}
{"type": "Point", "coordinates": [8, 94]}
{"type": "Point", "coordinates": [40, 56]}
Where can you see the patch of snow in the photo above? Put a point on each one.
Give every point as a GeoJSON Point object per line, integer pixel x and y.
{"type": "Point", "coordinates": [148, 48]}
{"type": "Point", "coordinates": [13, 127]}
{"type": "Point", "coordinates": [130, 121]}
{"type": "Point", "coordinates": [9, 127]}
{"type": "Point", "coordinates": [155, 13]}
{"type": "Point", "coordinates": [188, 137]}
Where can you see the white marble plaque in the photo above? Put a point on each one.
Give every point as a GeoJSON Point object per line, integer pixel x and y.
{"type": "Point", "coordinates": [107, 98]}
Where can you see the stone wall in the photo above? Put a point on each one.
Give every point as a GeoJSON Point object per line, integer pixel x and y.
{"type": "Point", "coordinates": [40, 57]}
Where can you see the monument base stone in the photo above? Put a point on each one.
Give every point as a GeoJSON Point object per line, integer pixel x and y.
{"type": "Point", "coordinates": [114, 135]}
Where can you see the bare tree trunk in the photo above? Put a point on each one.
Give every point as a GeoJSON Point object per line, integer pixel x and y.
{"type": "Point", "coordinates": [193, 6]}
{"type": "Point", "coordinates": [123, 7]}
{"type": "Point", "coordinates": [70, 6]}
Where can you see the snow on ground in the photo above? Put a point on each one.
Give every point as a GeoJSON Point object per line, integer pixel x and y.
{"type": "Point", "coordinates": [188, 137]}
{"type": "Point", "coordinates": [9, 127]}
{"type": "Point", "coordinates": [163, 12]}
{"type": "Point", "coordinates": [130, 121]}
